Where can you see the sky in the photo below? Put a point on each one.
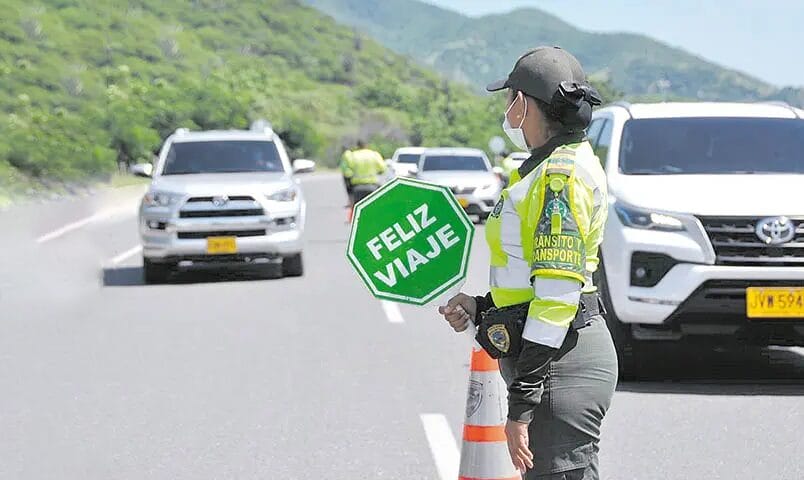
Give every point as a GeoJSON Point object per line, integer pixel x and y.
{"type": "Point", "coordinates": [764, 38]}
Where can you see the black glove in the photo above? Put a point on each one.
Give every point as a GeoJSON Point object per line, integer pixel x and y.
{"type": "Point", "coordinates": [499, 330]}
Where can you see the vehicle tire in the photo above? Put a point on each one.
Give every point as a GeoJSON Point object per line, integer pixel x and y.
{"type": "Point", "coordinates": [153, 273]}
{"type": "Point", "coordinates": [293, 266]}
{"type": "Point", "coordinates": [629, 350]}
{"type": "Point", "coordinates": [482, 218]}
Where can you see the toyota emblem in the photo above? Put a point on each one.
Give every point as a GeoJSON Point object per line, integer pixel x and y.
{"type": "Point", "coordinates": [220, 201]}
{"type": "Point", "coordinates": [775, 230]}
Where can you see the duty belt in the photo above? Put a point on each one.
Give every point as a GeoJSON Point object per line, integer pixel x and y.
{"type": "Point", "coordinates": [590, 306]}
{"type": "Point", "coordinates": [500, 329]}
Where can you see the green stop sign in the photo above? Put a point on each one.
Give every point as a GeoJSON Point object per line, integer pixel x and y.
{"type": "Point", "coordinates": [410, 241]}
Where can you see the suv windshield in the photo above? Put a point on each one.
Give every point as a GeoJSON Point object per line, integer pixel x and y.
{"type": "Point", "coordinates": [408, 158]}
{"type": "Point", "coordinates": [222, 157]}
{"type": "Point", "coordinates": [454, 162]}
{"type": "Point", "coordinates": [712, 146]}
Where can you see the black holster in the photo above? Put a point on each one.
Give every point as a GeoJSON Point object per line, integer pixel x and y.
{"type": "Point", "coordinates": [499, 330]}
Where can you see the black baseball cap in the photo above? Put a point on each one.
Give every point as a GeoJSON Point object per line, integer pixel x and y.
{"type": "Point", "coordinates": [539, 72]}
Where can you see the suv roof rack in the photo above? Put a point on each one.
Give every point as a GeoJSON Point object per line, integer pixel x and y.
{"type": "Point", "coordinates": [181, 131]}
{"type": "Point", "coordinates": [781, 103]}
{"type": "Point", "coordinates": [622, 104]}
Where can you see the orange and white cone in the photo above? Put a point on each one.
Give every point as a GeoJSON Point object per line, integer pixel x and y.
{"type": "Point", "coordinates": [484, 455]}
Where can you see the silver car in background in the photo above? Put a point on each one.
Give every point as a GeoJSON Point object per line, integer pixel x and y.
{"type": "Point", "coordinates": [222, 198]}
{"type": "Point", "coordinates": [405, 161]}
{"type": "Point", "coordinates": [467, 172]}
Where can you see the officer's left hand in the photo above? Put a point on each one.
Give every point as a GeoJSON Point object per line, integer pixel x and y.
{"type": "Point", "coordinates": [517, 435]}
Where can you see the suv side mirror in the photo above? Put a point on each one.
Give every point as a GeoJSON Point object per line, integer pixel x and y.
{"type": "Point", "coordinates": [414, 170]}
{"type": "Point", "coordinates": [142, 170]}
{"type": "Point", "coordinates": [302, 165]}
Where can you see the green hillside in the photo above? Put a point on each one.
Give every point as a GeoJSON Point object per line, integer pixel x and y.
{"type": "Point", "coordinates": [90, 84]}
{"type": "Point", "coordinates": [477, 50]}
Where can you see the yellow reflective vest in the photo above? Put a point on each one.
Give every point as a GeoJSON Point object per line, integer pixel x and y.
{"type": "Point", "coordinates": [346, 164]}
{"type": "Point", "coordinates": [544, 235]}
{"type": "Point", "coordinates": [365, 167]}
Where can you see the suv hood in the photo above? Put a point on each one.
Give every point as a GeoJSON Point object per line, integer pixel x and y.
{"type": "Point", "coordinates": [740, 195]}
{"type": "Point", "coordinates": [208, 184]}
{"type": "Point", "coordinates": [459, 178]}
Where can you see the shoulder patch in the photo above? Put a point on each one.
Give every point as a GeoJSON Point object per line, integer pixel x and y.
{"type": "Point", "coordinates": [498, 207]}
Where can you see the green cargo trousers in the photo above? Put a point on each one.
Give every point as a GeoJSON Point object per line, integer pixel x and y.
{"type": "Point", "coordinates": [565, 431]}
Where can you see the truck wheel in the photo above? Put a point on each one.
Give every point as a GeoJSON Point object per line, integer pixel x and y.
{"type": "Point", "coordinates": [293, 266]}
{"type": "Point", "coordinates": [153, 273]}
{"type": "Point", "coordinates": [628, 349]}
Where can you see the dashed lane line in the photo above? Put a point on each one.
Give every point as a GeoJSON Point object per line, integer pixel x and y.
{"type": "Point", "coordinates": [126, 255]}
{"type": "Point", "coordinates": [392, 312]}
{"type": "Point", "coordinates": [442, 445]}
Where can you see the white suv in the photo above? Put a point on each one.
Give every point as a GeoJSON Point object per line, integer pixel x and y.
{"type": "Point", "coordinates": [222, 198]}
{"type": "Point", "coordinates": [706, 225]}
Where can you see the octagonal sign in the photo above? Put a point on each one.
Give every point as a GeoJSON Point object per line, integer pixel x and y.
{"type": "Point", "coordinates": [410, 241]}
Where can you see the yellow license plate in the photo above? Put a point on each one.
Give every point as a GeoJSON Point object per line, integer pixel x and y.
{"type": "Point", "coordinates": [221, 245]}
{"type": "Point", "coordinates": [774, 302]}
{"type": "Point", "coordinates": [464, 202]}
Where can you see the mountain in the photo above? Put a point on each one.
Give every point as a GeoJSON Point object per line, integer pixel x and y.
{"type": "Point", "coordinates": [92, 84]}
{"type": "Point", "coordinates": [477, 50]}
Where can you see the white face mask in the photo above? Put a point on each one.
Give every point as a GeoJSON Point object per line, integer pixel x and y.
{"type": "Point", "coordinates": [516, 135]}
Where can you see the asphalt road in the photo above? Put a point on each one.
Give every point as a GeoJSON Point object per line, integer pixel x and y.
{"type": "Point", "coordinates": [238, 377]}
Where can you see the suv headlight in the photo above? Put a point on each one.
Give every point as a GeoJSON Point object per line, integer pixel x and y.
{"type": "Point", "coordinates": [288, 194]}
{"type": "Point", "coordinates": [646, 220]}
{"type": "Point", "coordinates": [160, 199]}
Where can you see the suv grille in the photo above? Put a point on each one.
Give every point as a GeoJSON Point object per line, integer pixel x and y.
{"type": "Point", "coordinates": [221, 233]}
{"type": "Point", "coordinates": [234, 206]}
{"type": "Point", "coordinates": [736, 243]}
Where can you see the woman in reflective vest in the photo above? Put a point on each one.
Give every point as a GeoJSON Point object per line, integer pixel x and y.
{"type": "Point", "coordinates": [544, 235]}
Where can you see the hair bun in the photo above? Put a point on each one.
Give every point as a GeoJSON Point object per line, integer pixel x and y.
{"type": "Point", "coordinates": [572, 104]}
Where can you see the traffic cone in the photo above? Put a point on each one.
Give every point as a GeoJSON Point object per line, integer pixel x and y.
{"type": "Point", "coordinates": [484, 454]}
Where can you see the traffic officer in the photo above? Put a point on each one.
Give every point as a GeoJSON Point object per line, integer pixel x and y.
{"type": "Point", "coordinates": [544, 235]}
{"type": "Point", "coordinates": [366, 166]}
{"type": "Point", "coordinates": [346, 171]}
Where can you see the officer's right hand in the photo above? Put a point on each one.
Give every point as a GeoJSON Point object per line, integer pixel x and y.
{"type": "Point", "coordinates": [459, 311]}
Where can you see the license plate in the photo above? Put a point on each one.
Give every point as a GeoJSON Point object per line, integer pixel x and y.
{"type": "Point", "coordinates": [221, 245]}
{"type": "Point", "coordinates": [464, 202]}
{"type": "Point", "coordinates": [774, 302]}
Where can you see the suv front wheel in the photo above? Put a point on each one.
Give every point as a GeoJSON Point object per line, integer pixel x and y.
{"type": "Point", "coordinates": [155, 272]}
{"type": "Point", "coordinates": [629, 351]}
{"type": "Point", "coordinates": [293, 266]}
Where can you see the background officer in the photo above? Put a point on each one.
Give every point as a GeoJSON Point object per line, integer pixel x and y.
{"type": "Point", "coordinates": [366, 166]}
{"type": "Point", "coordinates": [562, 380]}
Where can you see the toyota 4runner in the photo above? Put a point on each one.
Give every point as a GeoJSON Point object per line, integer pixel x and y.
{"type": "Point", "coordinates": [221, 198]}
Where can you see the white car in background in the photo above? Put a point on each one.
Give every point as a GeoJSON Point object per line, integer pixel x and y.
{"type": "Point", "coordinates": [222, 198]}
{"type": "Point", "coordinates": [705, 237]}
{"type": "Point", "coordinates": [405, 160]}
{"type": "Point", "coordinates": [467, 172]}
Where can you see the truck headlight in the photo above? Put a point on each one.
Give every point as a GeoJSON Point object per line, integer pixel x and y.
{"type": "Point", "coordinates": [285, 195]}
{"type": "Point", "coordinates": [646, 220]}
{"type": "Point", "coordinates": [160, 199]}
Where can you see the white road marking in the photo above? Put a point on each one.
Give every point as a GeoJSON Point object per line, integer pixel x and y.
{"type": "Point", "coordinates": [442, 445]}
{"type": "Point", "coordinates": [126, 255]}
{"type": "Point", "coordinates": [67, 229]}
{"type": "Point", "coordinates": [392, 312]}
{"type": "Point", "coordinates": [80, 224]}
